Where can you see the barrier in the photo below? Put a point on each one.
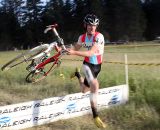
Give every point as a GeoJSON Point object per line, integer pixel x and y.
{"type": "Point", "coordinates": [28, 114]}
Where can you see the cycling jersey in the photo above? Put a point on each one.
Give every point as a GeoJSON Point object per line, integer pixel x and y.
{"type": "Point", "coordinates": [87, 43]}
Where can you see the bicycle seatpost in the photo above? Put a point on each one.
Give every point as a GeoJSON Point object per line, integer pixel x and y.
{"type": "Point", "coordinates": [57, 35]}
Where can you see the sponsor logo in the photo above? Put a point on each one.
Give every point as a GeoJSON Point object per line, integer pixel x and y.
{"type": "Point", "coordinates": [71, 106]}
{"type": "Point", "coordinates": [4, 120]}
{"type": "Point", "coordinates": [114, 100]}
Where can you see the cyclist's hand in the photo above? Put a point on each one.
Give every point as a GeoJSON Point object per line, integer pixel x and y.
{"type": "Point", "coordinates": [57, 48]}
{"type": "Point", "coordinates": [70, 51]}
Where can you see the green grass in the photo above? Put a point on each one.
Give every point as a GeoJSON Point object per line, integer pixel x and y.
{"type": "Point", "coordinates": [142, 112]}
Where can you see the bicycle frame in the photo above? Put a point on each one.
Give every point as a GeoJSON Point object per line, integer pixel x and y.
{"type": "Point", "coordinates": [53, 59]}
{"type": "Point", "coordinates": [57, 56]}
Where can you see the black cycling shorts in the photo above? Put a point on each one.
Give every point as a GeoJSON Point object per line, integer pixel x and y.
{"type": "Point", "coordinates": [91, 72]}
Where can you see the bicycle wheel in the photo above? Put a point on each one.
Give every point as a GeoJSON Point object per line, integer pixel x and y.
{"type": "Point", "coordinates": [24, 57]}
{"type": "Point", "coordinates": [35, 76]}
{"type": "Point", "coordinates": [38, 75]}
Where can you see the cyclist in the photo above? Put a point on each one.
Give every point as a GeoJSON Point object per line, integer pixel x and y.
{"type": "Point", "coordinates": [93, 41]}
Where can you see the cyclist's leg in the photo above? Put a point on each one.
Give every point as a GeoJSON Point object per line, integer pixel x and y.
{"type": "Point", "coordinates": [91, 73]}
{"type": "Point", "coordinates": [94, 86]}
{"type": "Point", "coordinates": [93, 96]}
{"type": "Point", "coordinates": [84, 85]}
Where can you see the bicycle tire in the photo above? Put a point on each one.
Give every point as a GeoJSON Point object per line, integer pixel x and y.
{"type": "Point", "coordinates": [24, 57]}
{"type": "Point", "coordinates": [38, 75]}
{"type": "Point", "coordinates": [31, 77]}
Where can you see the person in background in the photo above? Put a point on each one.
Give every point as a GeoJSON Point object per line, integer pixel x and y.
{"type": "Point", "coordinates": [93, 41]}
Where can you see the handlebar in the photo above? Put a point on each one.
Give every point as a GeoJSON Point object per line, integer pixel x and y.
{"type": "Point", "coordinates": [49, 27]}
{"type": "Point", "coordinates": [53, 28]}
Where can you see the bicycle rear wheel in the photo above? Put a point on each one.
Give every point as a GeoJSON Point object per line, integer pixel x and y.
{"type": "Point", "coordinates": [35, 76]}
{"type": "Point", "coordinates": [24, 57]}
{"type": "Point", "coordinates": [38, 75]}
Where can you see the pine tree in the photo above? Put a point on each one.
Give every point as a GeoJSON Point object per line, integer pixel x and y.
{"type": "Point", "coordinates": [54, 11]}
{"type": "Point", "coordinates": [33, 11]}
{"type": "Point", "coordinates": [68, 15]}
{"type": "Point", "coordinates": [125, 19]}
{"type": "Point", "coordinates": [80, 10]}
{"type": "Point", "coordinates": [68, 25]}
{"type": "Point", "coordinates": [9, 23]}
{"type": "Point", "coordinates": [32, 22]}
{"type": "Point", "coordinates": [152, 11]}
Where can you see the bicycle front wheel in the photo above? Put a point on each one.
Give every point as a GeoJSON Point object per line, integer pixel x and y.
{"type": "Point", "coordinates": [24, 57]}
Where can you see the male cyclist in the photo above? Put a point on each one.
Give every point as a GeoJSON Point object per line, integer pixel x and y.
{"type": "Point", "coordinates": [93, 41]}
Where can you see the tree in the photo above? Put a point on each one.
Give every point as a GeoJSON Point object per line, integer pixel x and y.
{"type": "Point", "coordinates": [53, 11]}
{"type": "Point", "coordinates": [32, 22]}
{"type": "Point", "coordinates": [52, 14]}
{"type": "Point", "coordinates": [9, 23]}
{"type": "Point", "coordinates": [125, 19]}
{"type": "Point", "coordinates": [152, 11]}
{"type": "Point", "coordinates": [80, 10]}
{"type": "Point", "coordinates": [68, 15]}
{"type": "Point", "coordinates": [68, 21]}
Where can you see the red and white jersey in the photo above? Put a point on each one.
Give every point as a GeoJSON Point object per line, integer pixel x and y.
{"type": "Point", "coordinates": [87, 43]}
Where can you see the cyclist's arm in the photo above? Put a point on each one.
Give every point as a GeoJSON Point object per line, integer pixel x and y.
{"type": "Point", "coordinates": [84, 53]}
{"type": "Point", "coordinates": [76, 47]}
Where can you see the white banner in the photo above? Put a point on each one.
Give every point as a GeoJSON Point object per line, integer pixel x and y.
{"type": "Point", "coordinates": [28, 114]}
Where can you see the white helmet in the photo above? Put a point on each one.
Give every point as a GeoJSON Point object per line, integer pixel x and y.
{"type": "Point", "coordinates": [91, 19]}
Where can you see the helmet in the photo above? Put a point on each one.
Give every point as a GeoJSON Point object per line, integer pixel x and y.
{"type": "Point", "coordinates": [91, 19]}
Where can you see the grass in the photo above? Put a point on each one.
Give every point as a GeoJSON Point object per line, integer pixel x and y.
{"type": "Point", "coordinates": [142, 112]}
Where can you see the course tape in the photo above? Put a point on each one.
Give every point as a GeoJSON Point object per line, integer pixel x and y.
{"type": "Point", "coordinates": [131, 45]}
{"type": "Point", "coordinates": [108, 62]}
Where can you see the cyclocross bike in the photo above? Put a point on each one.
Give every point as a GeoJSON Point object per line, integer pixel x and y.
{"type": "Point", "coordinates": [38, 58]}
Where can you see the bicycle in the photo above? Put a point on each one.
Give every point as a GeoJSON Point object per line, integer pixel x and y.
{"type": "Point", "coordinates": [39, 58]}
